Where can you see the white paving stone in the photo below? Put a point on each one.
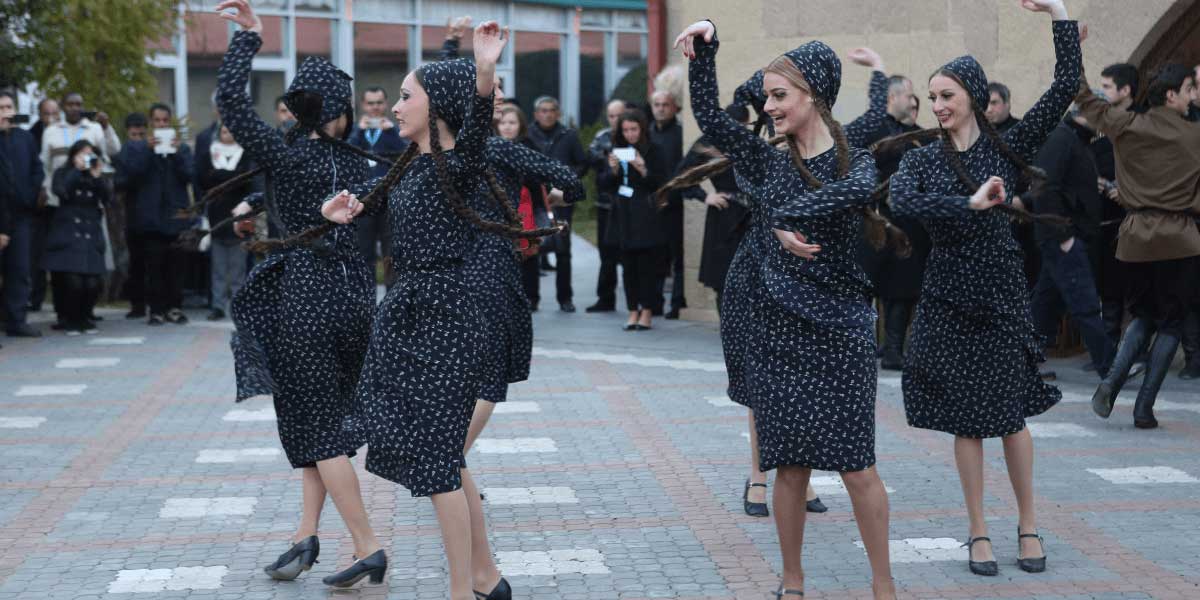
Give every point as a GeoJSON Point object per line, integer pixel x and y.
{"type": "Point", "coordinates": [515, 445]}
{"type": "Point", "coordinates": [193, 508]}
{"type": "Point", "coordinates": [890, 381]}
{"type": "Point", "coordinates": [21, 423]}
{"type": "Point", "coordinates": [117, 341]}
{"type": "Point", "coordinates": [241, 455]}
{"type": "Point", "coordinates": [1059, 430]}
{"type": "Point", "coordinates": [513, 407]}
{"type": "Point", "coordinates": [86, 363]}
{"type": "Point", "coordinates": [70, 389]}
{"type": "Point", "coordinates": [630, 359]}
{"type": "Point", "coordinates": [167, 580]}
{"type": "Point", "coordinates": [530, 495]}
{"type": "Point", "coordinates": [586, 561]}
{"type": "Point", "coordinates": [722, 402]}
{"type": "Point", "coordinates": [613, 388]}
{"type": "Point", "coordinates": [831, 485]}
{"type": "Point", "coordinates": [1144, 475]}
{"type": "Point", "coordinates": [239, 415]}
{"type": "Point", "coordinates": [924, 550]}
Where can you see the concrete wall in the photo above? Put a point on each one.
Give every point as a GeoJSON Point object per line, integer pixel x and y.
{"type": "Point", "coordinates": [914, 37]}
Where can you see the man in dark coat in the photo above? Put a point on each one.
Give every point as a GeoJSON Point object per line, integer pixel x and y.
{"type": "Point", "coordinates": [24, 169]}
{"type": "Point", "coordinates": [560, 142]}
{"type": "Point", "coordinates": [1066, 279]}
{"type": "Point", "coordinates": [156, 190]}
{"type": "Point", "coordinates": [667, 136]}
{"type": "Point", "coordinates": [377, 134]}
{"type": "Point", "coordinates": [610, 256]}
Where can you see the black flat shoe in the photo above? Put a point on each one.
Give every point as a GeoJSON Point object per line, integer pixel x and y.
{"type": "Point", "coordinates": [641, 327]}
{"type": "Point", "coordinates": [298, 559]}
{"type": "Point", "coordinates": [987, 568]}
{"type": "Point", "coordinates": [816, 506]}
{"type": "Point", "coordinates": [782, 591]}
{"type": "Point", "coordinates": [373, 566]}
{"type": "Point", "coordinates": [1032, 565]}
{"type": "Point", "coordinates": [629, 327]}
{"type": "Point", "coordinates": [502, 591]}
{"type": "Point", "coordinates": [754, 509]}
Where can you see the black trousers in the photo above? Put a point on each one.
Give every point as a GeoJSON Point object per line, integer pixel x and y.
{"type": "Point", "coordinates": [41, 228]}
{"type": "Point", "coordinates": [135, 283]}
{"type": "Point", "coordinates": [610, 257]}
{"type": "Point", "coordinates": [372, 229]}
{"type": "Point", "coordinates": [897, 315]}
{"type": "Point", "coordinates": [562, 258]}
{"type": "Point", "coordinates": [75, 296]}
{"type": "Point", "coordinates": [163, 263]}
{"type": "Point", "coordinates": [639, 274]}
{"type": "Point", "coordinates": [673, 255]}
{"type": "Point", "coordinates": [17, 265]}
{"type": "Point", "coordinates": [531, 273]}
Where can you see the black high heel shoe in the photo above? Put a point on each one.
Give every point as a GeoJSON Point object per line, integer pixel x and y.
{"type": "Point", "coordinates": [782, 591]}
{"type": "Point", "coordinates": [1031, 565]}
{"type": "Point", "coordinates": [987, 568]}
{"type": "Point", "coordinates": [373, 566]}
{"type": "Point", "coordinates": [815, 506]}
{"type": "Point", "coordinates": [298, 559]}
{"type": "Point", "coordinates": [754, 509]}
{"type": "Point", "coordinates": [502, 591]}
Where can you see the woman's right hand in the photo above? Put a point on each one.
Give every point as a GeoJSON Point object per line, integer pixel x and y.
{"type": "Point", "coordinates": [613, 162]}
{"type": "Point", "coordinates": [342, 208]}
{"type": "Point", "coordinates": [700, 28]}
{"type": "Point", "coordinates": [717, 200]}
{"type": "Point", "coordinates": [244, 16]}
{"type": "Point", "coordinates": [796, 243]}
{"type": "Point", "coordinates": [988, 195]}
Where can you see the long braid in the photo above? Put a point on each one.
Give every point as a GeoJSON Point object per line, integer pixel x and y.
{"type": "Point", "coordinates": [377, 194]}
{"type": "Point", "coordinates": [695, 175]}
{"type": "Point", "coordinates": [1034, 176]}
{"type": "Point", "coordinates": [500, 197]}
{"type": "Point", "coordinates": [1020, 214]}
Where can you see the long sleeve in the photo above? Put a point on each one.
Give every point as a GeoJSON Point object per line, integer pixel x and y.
{"type": "Point", "coordinates": [536, 168]}
{"type": "Point", "coordinates": [65, 178]}
{"type": "Point", "coordinates": [112, 143]}
{"type": "Point", "coordinates": [1027, 136]}
{"type": "Point", "coordinates": [578, 158]}
{"type": "Point", "coordinates": [449, 49]}
{"type": "Point", "coordinates": [748, 152]}
{"type": "Point", "coordinates": [471, 142]}
{"type": "Point", "coordinates": [750, 93]}
{"type": "Point", "coordinates": [909, 196]}
{"type": "Point", "coordinates": [7, 196]}
{"type": "Point", "coordinates": [1101, 115]}
{"type": "Point", "coordinates": [133, 162]}
{"type": "Point", "coordinates": [851, 191]}
{"type": "Point", "coordinates": [694, 158]}
{"type": "Point", "coordinates": [263, 143]}
{"type": "Point", "coordinates": [44, 155]}
{"type": "Point", "coordinates": [860, 130]}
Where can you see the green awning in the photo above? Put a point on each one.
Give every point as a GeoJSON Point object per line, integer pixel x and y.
{"type": "Point", "coordinates": [593, 4]}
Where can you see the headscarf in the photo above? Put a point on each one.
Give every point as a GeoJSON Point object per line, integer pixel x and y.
{"type": "Point", "coordinates": [822, 70]}
{"type": "Point", "coordinates": [971, 74]}
{"type": "Point", "coordinates": [450, 85]}
{"type": "Point", "coordinates": [318, 76]}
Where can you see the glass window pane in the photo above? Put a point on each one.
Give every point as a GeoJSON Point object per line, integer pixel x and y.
{"type": "Point", "coordinates": [631, 20]}
{"type": "Point", "coordinates": [165, 78]}
{"type": "Point", "coordinates": [314, 37]}
{"type": "Point", "coordinates": [432, 39]}
{"type": "Point", "coordinates": [527, 16]}
{"type": "Point", "coordinates": [265, 87]}
{"type": "Point", "coordinates": [631, 50]}
{"type": "Point", "coordinates": [591, 77]}
{"type": "Point", "coordinates": [207, 36]}
{"type": "Point", "coordinates": [317, 5]}
{"type": "Point", "coordinates": [380, 57]}
{"type": "Point", "coordinates": [384, 10]}
{"type": "Point", "coordinates": [537, 64]}
{"type": "Point", "coordinates": [631, 66]}
{"type": "Point", "coordinates": [438, 12]}
{"type": "Point", "coordinates": [595, 18]}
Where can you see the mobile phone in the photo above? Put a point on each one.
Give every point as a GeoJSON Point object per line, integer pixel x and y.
{"type": "Point", "coordinates": [18, 119]}
{"type": "Point", "coordinates": [89, 114]}
{"type": "Point", "coordinates": [91, 160]}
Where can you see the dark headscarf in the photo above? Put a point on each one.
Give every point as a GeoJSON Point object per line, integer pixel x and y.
{"type": "Point", "coordinates": [450, 85]}
{"type": "Point", "coordinates": [971, 74]}
{"type": "Point", "coordinates": [822, 70]}
{"type": "Point", "coordinates": [318, 76]}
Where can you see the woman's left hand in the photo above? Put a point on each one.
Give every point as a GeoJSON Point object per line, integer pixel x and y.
{"type": "Point", "coordinates": [489, 42]}
{"type": "Point", "coordinates": [796, 243]}
{"type": "Point", "coordinates": [1056, 8]}
{"type": "Point", "coordinates": [342, 208]}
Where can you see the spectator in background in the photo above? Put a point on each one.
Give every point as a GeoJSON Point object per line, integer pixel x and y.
{"type": "Point", "coordinates": [156, 183]}
{"type": "Point", "coordinates": [377, 134]}
{"type": "Point", "coordinates": [1066, 279]}
{"type": "Point", "coordinates": [23, 170]}
{"type": "Point", "coordinates": [999, 108]}
{"type": "Point", "coordinates": [667, 136]}
{"type": "Point", "coordinates": [135, 283]}
{"type": "Point", "coordinates": [203, 140]}
{"type": "Point", "coordinates": [284, 119]}
{"type": "Point", "coordinates": [1119, 87]}
{"type": "Point", "coordinates": [75, 243]}
{"type": "Point", "coordinates": [48, 114]}
{"type": "Point", "coordinates": [552, 138]}
{"type": "Point", "coordinates": [1191, 325]}
{"type": "Point", "coordinates": [225, 160]}
{"type": "Point", "coordinates": [610, 256]}
{"type": "Point", "coordinates": [511, 125]}
{"type": "Point", "coordinates": [635, 223]}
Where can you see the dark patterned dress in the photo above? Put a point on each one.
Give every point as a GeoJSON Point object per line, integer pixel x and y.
{"type": "Point", "coordinates": [428, 352]}
{"type": "Point", "coordinates": [493, 268]}
{"type": "Point", "coordinates": [303, 315]}
{"type": "Point", "coordinates": [810, 373]}
{"type": "Point", "coordinates": [972, 365]}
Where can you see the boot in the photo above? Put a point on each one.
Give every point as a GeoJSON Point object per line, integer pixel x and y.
{"type": "Point", "coordinates": [895, 327]}
{"type": "Point", "coordinates": [1161, 356]}
{"type": "Point", "coordinates": [1133, 342]}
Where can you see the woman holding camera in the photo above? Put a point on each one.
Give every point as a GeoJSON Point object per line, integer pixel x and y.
{"type": "Point", "coordinates": [75, 242]}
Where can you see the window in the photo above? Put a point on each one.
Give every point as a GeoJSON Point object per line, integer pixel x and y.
{"type": "Point", "coordinates": [314, 37]}
{"type": "Point", "coordinates": [592, 95]}
{"type": "Point", "coordinates": [432, 39]}
{"type": "Point", "coordinates": [537, 61]}
{"type": "Point", "coordinates": [380, 57]}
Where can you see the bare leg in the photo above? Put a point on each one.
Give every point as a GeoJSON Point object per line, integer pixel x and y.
{"type": "Point", "coordinates": [1018, 453]}
{"type": "Point", "coordinates": [810, 494]}
{"type": "Point", "coordinates": [483, 566]}
{"type": "Point", "coordinates": [314, 501]}
{"type": "Point", "coordinates": [479, 420]}
{"type": "Point", "coordinates": [644, 317]}
{"type": "Point", "coordinates": [790, 514]}
{"type": "Point", "coordinates": [968, 455]}
{"type": "Point", "coordinates": [633, 318]}
{"type": "Point", "coordinates": [454, 518]}
{"type": "Point", "coordinates": [870, 501]}
{"type": "Point", "coordinates": [341, 480]}
{"type": "Point", "coordinates": [758, 495]}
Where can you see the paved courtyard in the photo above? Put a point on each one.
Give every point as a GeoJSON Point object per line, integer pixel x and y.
{"type": "Point", "coordinates": [126, 471]}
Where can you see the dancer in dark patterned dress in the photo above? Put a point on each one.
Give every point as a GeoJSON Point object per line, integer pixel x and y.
{"type": "Point", "coordinates": [811, 377]}
{"type": "Point", "coordinates": [972, 365]}
{"type": "Point", "coordinates": [303, 316]}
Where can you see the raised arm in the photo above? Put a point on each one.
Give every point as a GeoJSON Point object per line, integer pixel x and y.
{"type": "Point", "coordinates": [471, 142]}
{"type": "Point", "coordinates": [858, 131]}
{"type": "Point", "coordinates": [1027, 136]}
{"type": "Point", "coordinates": [1101, 115]}
{"type": "Point", "coordinates": [851, 191]}
{"type": "Point", "coordinates": [260, 140]}
{"type": "Point", "coordinates": [748, 152]}
{"type": "Point", "coordinates": [536, 168]}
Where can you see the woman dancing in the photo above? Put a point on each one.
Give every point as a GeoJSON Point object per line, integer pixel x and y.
{"type": "Point", "coordinates": [811, 379]}
{"type": "Point", "coordinates": [972, 365]}
{"type": "Point", "coordinates": [304, 315]}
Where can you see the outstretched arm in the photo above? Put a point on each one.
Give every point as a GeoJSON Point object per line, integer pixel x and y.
{"type": "Point", "coordinates": [910, 197]}
{"type": "Point", "coordinates": [853, 190]}
{"type": "Point", "coordinates": [535, 168]}
{"type": "Point", "coordinates": [471, 142]}
{"type": "Point", "coordinates": [1026, 137]}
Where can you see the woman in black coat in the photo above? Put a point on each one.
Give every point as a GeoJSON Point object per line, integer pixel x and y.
{"type": "Point", "coordinates": [633, 223]}
{"type": "Point", "coordinates": [75, 242]}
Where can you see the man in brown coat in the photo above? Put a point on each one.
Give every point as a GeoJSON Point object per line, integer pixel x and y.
{"type": "Point", "coordinates": [1158, 164]}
